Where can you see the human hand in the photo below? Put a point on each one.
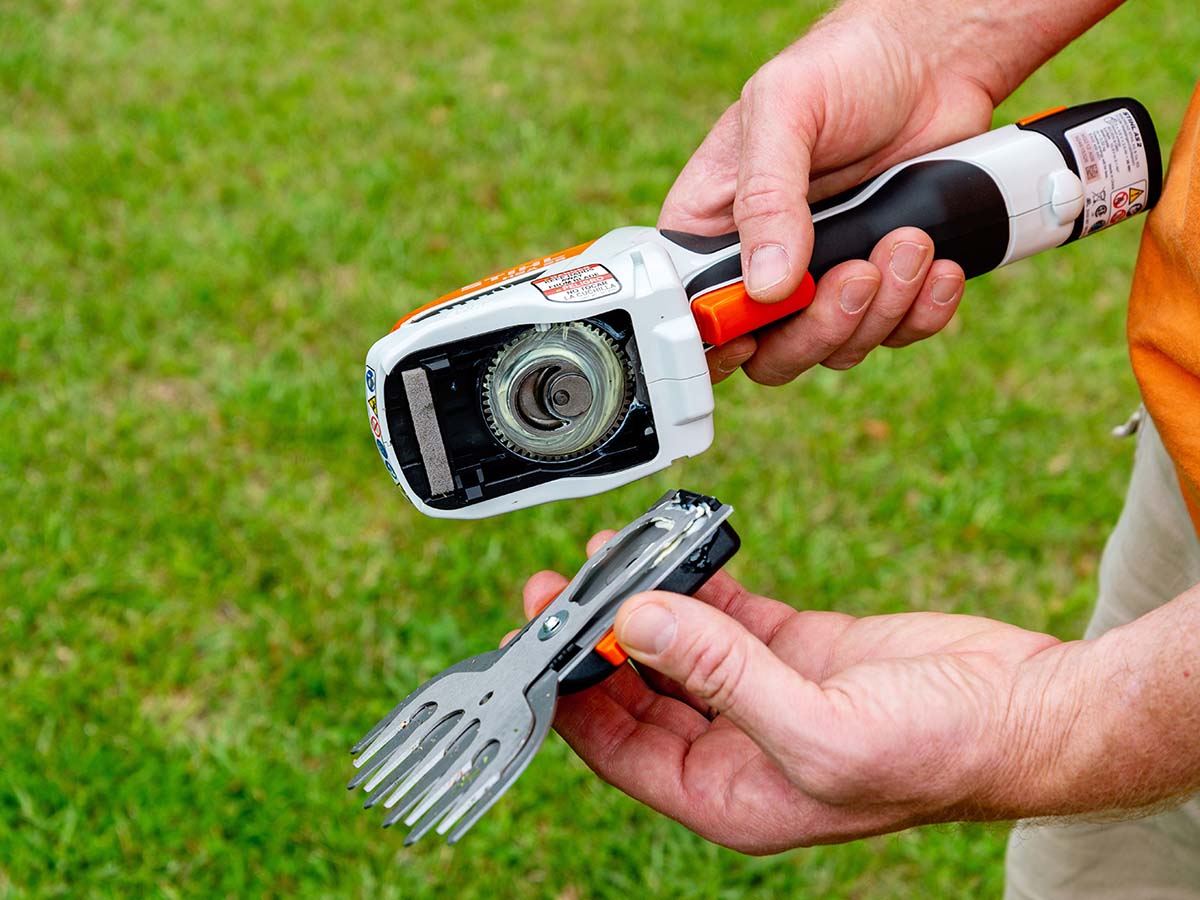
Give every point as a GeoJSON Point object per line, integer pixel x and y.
{"type": "Point", "coordinates": [764, 728]}
{"type": "Point", "coordinates": [861, 91]}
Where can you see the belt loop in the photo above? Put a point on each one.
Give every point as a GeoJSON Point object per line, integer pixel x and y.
{"type": "Point", "coordinates": [1131, 425]}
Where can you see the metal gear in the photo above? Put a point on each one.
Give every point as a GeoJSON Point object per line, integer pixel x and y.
{"type": "Point", "coordinates": [557, 391]}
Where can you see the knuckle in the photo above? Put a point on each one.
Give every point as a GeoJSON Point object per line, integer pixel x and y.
{"type": "Point", "coordinates": [777, 76]}
{"type": "Point", "coordinates": [826, 336]}
{"type": "Point", "coordinates": [761, 82]}
{"type": "Point", "coordinates": [716, 672]}
{"type": "Point", "coordinates": [749, 88]}
{"type": "Point", "coordinates": [769, 375]}
{"type": "Point", "coordinates": [760, 195]}
{"type": "Point", "coordinates": [891, 305]}
{"type": "Point", "coordinates": [845, 359]}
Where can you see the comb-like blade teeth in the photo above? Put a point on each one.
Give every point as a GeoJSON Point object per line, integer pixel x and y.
{"type": "Point", "coordinates": [370, 762]}
{"type": "Point", "coordinates": [416, 748]}
{"type": "Point", "coordinates": [484, 799]}
{"type": "Point", "coordinates": [474, 763]}
{"type": "Point", "coordinates": [386, 728]}
{"type": "Point", "coordinates": [386, 736]}
{"type": "Point", "coordinates": [413, 792]}
{"type": "Point", "coordinates": [468, 801]}
{"type": "Point", "coordinates": [543, 697]}
{"type": "Point", "coordinates": [382, 724]}
{"type": "Point", "coordinates": [428, 754]}
{"type": "Point", "coordinates": [388, 783]}
{"type": "Point", "coordinates": [426, 816]}
{"type": "Point", "coordinates": [378, 760]}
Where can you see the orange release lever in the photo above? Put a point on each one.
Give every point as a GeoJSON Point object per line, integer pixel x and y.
{"type": "Point", "coordinates": [728, 312]}
{"type": "Point", "coordinates": [608, 647]}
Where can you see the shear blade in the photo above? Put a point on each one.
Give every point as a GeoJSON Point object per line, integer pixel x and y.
{"type": "Point", "coordinates": [411, 752]}
{"type": "Point", "coordinates": [425, 818]}
{"type": "Point", "coordinates": [543, 697]}
{"type": "Point", "coordinates": [413, 793]}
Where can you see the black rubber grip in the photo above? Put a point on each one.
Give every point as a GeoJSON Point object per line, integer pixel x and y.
{"type": "Point", "coordinates": [691, 575]}
{"type": "Point", "coordinates": [955, 202]}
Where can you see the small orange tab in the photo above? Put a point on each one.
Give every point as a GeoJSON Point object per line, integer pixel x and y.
{"type": "Point", "coordinates": [608, 647]}
{"type": "Point", "coordinates": [497, 278]}
{"type": "Point", "coordinates": [728, 312]}
{"type": "Point", "coordinates": [1029, 120]}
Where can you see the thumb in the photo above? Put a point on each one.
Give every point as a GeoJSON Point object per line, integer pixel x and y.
{"type": "Point", "coordinates": [770, 207]}
{"type": "Point", "coordinates": [722, 664]}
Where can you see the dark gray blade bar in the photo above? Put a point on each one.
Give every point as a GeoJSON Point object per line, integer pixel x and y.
{"type": "Point", "coordinates": [429, 436]}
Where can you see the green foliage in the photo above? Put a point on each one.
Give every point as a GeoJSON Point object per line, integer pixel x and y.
{"type": "Point", "coordinates": [208, 588]}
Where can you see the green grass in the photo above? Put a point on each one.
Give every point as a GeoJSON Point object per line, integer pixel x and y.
{"type": "Point", "coordinates": [208, 587]}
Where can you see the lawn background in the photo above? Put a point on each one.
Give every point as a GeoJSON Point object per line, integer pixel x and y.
{"type": "Point", "coordinates": [209, 588]}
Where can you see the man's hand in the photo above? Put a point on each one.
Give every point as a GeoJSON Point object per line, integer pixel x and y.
{"type": "Point", "coordinates": [823, 727]}
{"type": "Point", "coordinates": [763, 728]}
{"type": "Point", "coordinates": [840, 105]}
{"type": "Point", "coordinates": [871, 85]}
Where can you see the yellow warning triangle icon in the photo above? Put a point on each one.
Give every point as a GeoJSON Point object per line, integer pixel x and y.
{"type": "Point", "coordinates": [1134, 193]}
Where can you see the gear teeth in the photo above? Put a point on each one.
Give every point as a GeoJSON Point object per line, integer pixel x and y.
{"type": "Point", "coordinates": [618, 418]}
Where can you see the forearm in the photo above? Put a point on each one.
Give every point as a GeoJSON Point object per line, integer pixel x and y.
{"type": "Point", "coordinates": [1111, 723]}
{"type": "Point", "coordinates": [994, 43]}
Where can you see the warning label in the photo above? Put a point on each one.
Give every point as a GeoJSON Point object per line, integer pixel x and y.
{"type": "Point", "coordinates": [1111, 157]}
{"type": "Point", "coordinates": [584, 283]}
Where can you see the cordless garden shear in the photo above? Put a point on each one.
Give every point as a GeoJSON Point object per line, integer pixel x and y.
{"type": "Point", "coordinates": [584, 370]}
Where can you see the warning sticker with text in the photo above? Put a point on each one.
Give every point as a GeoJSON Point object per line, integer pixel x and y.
{"type": "Point", "coordinates": [1112, 165]}
{"type": "Point", "coordinates": [583, 283]}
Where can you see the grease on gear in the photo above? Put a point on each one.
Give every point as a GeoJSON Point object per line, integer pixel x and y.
{"type": "Point", "coordinates": [557, 391]}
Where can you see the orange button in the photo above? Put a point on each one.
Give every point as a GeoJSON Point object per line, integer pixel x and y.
{"type": "Point", "coordinates": [611, 650]}
{"type": "Point", "coordinates": [728, 312]}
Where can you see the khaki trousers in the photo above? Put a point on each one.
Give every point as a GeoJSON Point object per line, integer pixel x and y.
{"type": "Point", "coordinates": [1152, 556]}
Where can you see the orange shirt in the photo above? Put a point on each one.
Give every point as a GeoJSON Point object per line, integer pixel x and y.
{"type": "Point", "coordinates": [1164, 310]}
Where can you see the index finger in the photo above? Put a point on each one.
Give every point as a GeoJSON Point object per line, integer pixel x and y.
{"type": "Point", "coordinates": [701, 199]}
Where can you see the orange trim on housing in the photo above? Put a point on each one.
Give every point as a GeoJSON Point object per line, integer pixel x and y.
{"type": "Point", "coordinates": [498, 278]}
{"type": "Point", "coordinates": [1029, 120]}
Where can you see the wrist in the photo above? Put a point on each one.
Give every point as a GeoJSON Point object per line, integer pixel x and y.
{"type": "Point", "coordinates": [1052, 736]}
{"type": "Point", "coordinates": [995, 44]}
{"type": "Point", "coordinates": [1104, 724]}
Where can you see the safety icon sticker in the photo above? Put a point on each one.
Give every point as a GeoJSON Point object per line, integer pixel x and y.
{"type": "Point", "coordinates": [1111, 158]}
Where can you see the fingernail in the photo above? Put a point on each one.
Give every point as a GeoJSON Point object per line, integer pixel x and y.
{"type": "Point", "coordinates": [649, 629]}
{"type": "Point", "coordinates": [857, 293]}
{"type": "Point", "coordinates": [945, 289]}
{"type": "Point", "coordinates": [907, 259]}
{"type": "Point", "coordinates": [769, 265]}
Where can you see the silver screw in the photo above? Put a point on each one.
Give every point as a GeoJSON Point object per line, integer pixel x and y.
{"type": "Point", "coordinates": [551, 625]}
